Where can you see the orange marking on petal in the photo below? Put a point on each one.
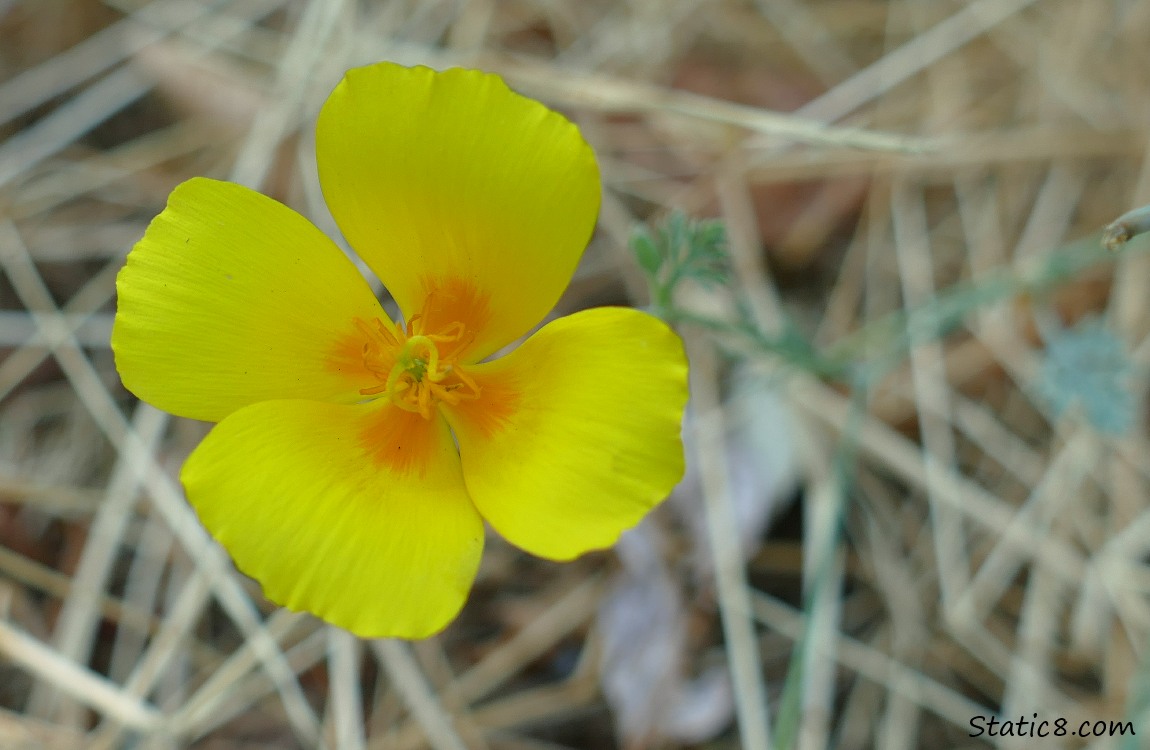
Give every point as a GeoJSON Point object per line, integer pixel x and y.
{"type": "Point", "coordinates": [345, 356]}
{"type": "Point", "coordinates": [401, 441]}
{"type": "Point", "coordinates": [499, 399]}
{"type": "Point", "coordinates": [453, 300]}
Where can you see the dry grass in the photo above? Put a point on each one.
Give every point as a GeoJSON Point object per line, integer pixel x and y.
{"type": "Point", "coordinates": [952, 549]}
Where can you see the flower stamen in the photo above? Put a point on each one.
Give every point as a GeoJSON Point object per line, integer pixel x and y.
{"type": "Point", "coordinates": [414, 368]}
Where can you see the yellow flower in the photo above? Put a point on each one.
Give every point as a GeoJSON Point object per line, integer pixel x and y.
{"type": "Point", "coordinates": [356, 459]}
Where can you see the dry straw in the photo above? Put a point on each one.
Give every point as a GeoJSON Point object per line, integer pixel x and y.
{"type": "Point", "coordinates": [902, 185]}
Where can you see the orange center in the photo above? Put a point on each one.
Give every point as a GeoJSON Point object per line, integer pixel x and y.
{"type": "Point", "coordinates": [417, 369]}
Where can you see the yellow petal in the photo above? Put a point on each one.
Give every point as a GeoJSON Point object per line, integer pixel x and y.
{"type": "Point", "coordinates": [232, 298]}
{"type": "Point", "coordinates": [451, 185]}
{"type": "Point", "coordinates": [357, 514]}
{"type": "Point", "coordinates": [576, 434]}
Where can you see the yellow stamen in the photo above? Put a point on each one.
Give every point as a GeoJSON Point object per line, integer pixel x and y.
{"type": "Point", "coordinates": [417, 369]}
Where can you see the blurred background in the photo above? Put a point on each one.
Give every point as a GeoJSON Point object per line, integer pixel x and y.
{"type": "Point", "coordinates": [918, 493]}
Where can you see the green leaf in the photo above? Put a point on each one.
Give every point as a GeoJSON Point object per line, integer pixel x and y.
{"type": "Point", "coordinates": [676, 234]}
{"type": "Point", "coordinates": [649, 257]}
{"type": "Point", "coordinates": [681, 248]}
{"type": "Point", "coordinates": [1089, 366]}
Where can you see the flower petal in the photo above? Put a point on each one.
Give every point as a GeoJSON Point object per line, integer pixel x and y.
{"type": "Point", "coordinates": [357, 514]}
{"type": "Point", "coordinates": [449, 184]}
{"type": "Point", "coordinates": [232, 298]}
{"type": "Point", "coordinates": [576, 434]}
